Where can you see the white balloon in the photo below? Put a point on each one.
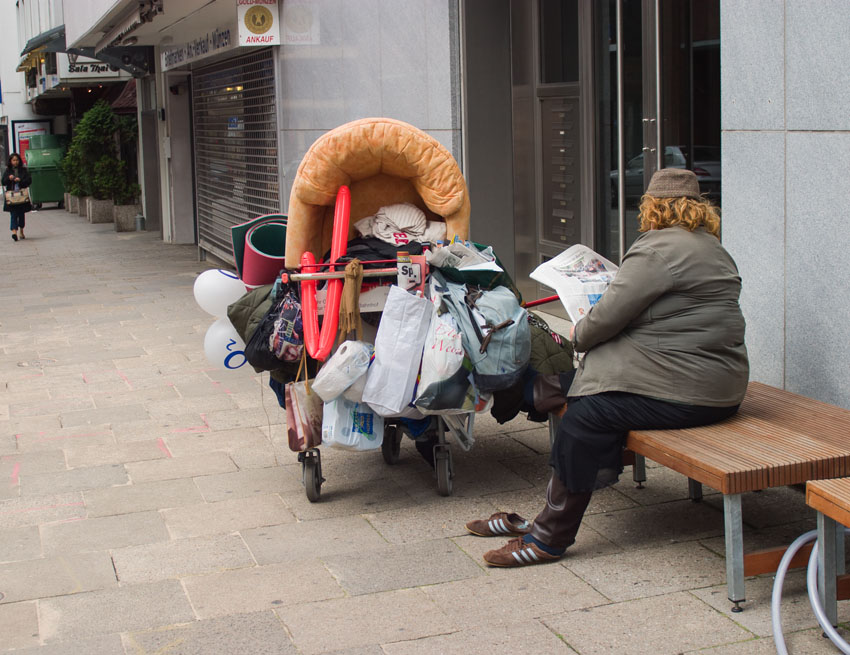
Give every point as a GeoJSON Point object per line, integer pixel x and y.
{"type": "Point", "coordinates": [223, 346]}
{"type": "Point", "coordinates": [215, 289]}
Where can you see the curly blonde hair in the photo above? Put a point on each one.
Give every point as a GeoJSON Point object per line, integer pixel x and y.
{"type": "Point", "coordinates": [658, 213]}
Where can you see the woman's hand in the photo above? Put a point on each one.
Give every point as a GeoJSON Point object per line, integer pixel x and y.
{"type": "Point", "coordinates": [572, 332]}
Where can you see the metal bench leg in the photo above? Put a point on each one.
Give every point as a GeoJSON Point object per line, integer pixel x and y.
{"type": "Point", "coordinates": [734, 530]}
{"type": "Point", "coordinates": [827, 556]}
{"type": "Point", "coordinates": [639, 470]}
{"type": "Point", "coordinates": [694, 490]}
{"type": "Point", "coordinates": [839, 549]}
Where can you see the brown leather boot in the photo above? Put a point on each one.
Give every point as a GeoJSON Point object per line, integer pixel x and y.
{"type": "Point", "coordinates": [558, 523]}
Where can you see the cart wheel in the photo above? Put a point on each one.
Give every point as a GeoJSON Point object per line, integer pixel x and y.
{"type": "Point", "coordinates": [312, 479]}
{"type": "Point", "coordinates": [443, 469]}
{"type": "Point", "coordinates": [391, 446]}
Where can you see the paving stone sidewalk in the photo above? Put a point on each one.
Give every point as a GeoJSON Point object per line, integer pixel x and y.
{"type": "Point", "coordinates": [149, 503]}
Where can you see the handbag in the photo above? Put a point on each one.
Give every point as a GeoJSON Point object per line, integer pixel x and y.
{"type": "Point", "coordinates": [18, 197]}
{"type": "Point", "coordinates": [304, 411]}
{"type": "Point", "coordinates": [287, 338]}
{"type": "Point", "coordinates": [277, 342]}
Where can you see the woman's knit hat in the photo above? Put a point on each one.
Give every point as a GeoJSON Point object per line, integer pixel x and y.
{"type": "Point", "coordinates": [673, 183]}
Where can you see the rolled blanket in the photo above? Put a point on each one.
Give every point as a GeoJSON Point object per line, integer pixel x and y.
{"type": "Point", "coordinates": [401, 223]}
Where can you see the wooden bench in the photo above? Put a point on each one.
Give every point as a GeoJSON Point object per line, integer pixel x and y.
{"type": "Point", "coordinates": [777, 438]}
{"type": "Point", "coordinates": [831, 499]}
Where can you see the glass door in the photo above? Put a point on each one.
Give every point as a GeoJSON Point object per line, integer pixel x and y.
{"type": "Point", "coordinates": [658, 90]}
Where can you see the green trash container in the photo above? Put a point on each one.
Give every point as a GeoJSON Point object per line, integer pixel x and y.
{"type": "Point", "coordinates": [45, 141]}
{"type": "Point", "coordinates": [43, 159]}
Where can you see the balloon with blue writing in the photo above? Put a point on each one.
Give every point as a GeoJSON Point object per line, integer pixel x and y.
{"type": "Point", "coordinates": [223, 346]}
{"type": "Point", "coordinates": [215, 289]}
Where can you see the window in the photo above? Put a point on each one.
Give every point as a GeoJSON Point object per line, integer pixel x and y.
{"type": "Point", "coordinates": [558, 41]}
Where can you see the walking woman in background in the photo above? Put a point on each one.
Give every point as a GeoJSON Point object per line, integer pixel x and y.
{"type": "Point", "coordinates": [663, 349]}
{"type": "Point", "coordinates": [16, 177]}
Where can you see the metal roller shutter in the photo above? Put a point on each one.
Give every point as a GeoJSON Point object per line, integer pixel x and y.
{"type": "Point", "coordinates": [235, 132]}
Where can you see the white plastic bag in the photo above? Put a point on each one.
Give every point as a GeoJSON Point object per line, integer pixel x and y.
{"type": "Point", "coordinates": [351, 426]}
{"type": "Point", "coordinates": [445, 386]}
{"type": "Point", "coordinates": [346, 365]}
{"type": "Point", "coordinates": [354, 393]}
{"type": "Point", "coordinates": [398, 352]}
{"type": "Point", "coordinates": [443, 354]}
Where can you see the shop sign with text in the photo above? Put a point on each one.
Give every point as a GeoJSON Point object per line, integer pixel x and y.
{"type": "Point", "coordinates": [259, 22]}
{"type": "Point", "coordinates": [83, 67]}
{"type": "Point", "coordinates": [202, 46]}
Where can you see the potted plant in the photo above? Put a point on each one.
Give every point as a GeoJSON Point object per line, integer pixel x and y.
{"type": "Point", "coordinates": [126, 192]}
{"type": "Point", "coordinates": [91, 155]}
{"type": "Point", "coordinates": [71, 167]}
{"type": "Point", "coordinates": [126, 196]}
{"type": "Point", "coordinates": [106, 177]}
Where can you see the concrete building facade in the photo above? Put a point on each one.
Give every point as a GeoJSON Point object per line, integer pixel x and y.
{"type": "Point", "coordinates": [786, 135]}
{"type": "Point", "coordinates": [558, 112]}
{"type": "Point", "coordinates": [13, 95]}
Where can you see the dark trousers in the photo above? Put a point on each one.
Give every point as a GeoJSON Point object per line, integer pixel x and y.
{"type": "Point", "coordinates": [593, 431]}
{"type": "Point", "coordinates": [587, 453]}
{"type": "Point", "coordinates": [17, 219]}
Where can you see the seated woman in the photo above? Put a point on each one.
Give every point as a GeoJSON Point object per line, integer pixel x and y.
{"type": "Point", "coordinates": [663, 349]}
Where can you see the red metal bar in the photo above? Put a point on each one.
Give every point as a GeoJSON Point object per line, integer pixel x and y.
{"type": "Point", "coordinates": [541, 301]}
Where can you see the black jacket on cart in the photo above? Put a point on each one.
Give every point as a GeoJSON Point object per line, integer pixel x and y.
{"type": "Point", "coordinates": [247, 313]}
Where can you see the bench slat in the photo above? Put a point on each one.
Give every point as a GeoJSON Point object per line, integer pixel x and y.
{"type": "Point", "coordinates": [777, 438]}
{"type": "Point", "coordinates": [831, 498]}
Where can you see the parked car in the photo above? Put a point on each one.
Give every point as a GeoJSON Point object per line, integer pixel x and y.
{"type": "Point", "coordinates": [706, 166]}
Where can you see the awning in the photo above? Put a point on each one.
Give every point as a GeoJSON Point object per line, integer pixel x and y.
{"type": "Point", "coordinates": [29, 61]}
{"type": "Point", "coordinates": [49, 41]}
{"type": "Point", "coordinates": [54, 41]}
{"type": "Point", "coordinates": [122, 29]}
{"type": "Point", "coordinates": [125, 103]}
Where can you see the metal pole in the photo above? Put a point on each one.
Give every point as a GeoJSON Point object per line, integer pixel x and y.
{"type": "Point", "coordinates": [734, 531]}
{"type": "Point", "coordinates": [659, 115]}
{"type": "Point", "coordinates": [373, 272]}
{"type": "Point", "coordinates": [621, 131]}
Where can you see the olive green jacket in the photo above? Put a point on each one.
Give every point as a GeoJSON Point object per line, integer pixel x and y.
{"type": "Point", "coordinates": [669, 326]}
{"type": "Point", "coordinates": [247, 312]}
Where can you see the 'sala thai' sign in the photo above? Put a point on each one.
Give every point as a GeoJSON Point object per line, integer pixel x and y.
{"type": "Point", "coordinates": [83, 67]}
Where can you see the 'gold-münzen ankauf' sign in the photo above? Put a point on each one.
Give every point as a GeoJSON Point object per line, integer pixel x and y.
{"type": "Point", "coordinates": [259, 22]}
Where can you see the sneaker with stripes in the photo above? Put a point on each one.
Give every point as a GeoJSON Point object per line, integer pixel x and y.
{"type": "Point", "coordinates": [501, 524]}
{"type": "Point", "coordinates": [518, 553]}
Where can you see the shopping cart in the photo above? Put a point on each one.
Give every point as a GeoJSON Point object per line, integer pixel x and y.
{"type": "Point", "coordinates": [356, 169]}
{"type": "Point", "coordinates": [319, 343]}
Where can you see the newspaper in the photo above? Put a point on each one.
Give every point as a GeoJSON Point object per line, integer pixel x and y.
{"type": "Point", "coordinates": [579, 275]}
